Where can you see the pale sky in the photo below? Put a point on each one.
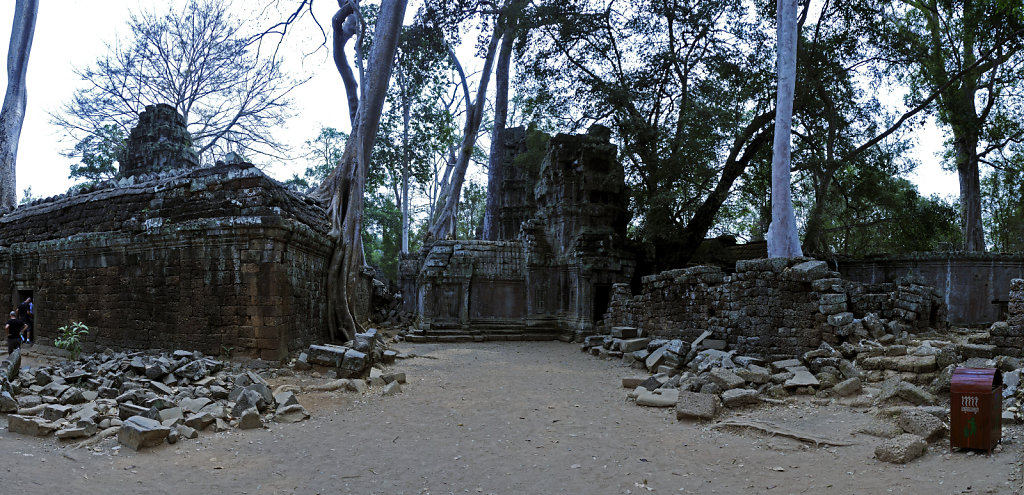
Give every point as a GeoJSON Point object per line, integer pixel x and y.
{"type": "Point", "coordinates": [72, 33]}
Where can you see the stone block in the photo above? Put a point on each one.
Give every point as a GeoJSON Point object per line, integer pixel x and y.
{"type": "Point", "coordinates": [840, 319]}
{"type": "Point", "coordinates": [801, 378]}
{"type": "Point", "coordinates": [293, 413]}
{"type": "Point", "coordinates": [29, 425]}
{"type": "Point", "coordinates": [902, 449]}
{"type": "Point", "coordinates": [199, 421]}
{"type": "Point", "coordinates": [754, 374]}
{"type": "Point", "coordinates": [249, 419]}
{"type": "Point", "coordinates": [922, 424]}
{"type": "Point", "coordinates": [392, 388]}
{"type": "Point", "coordinates": [740, 397]}
{"type": "Point", "coordinates": [625, 332]}
{"type": "Point", "coordinates": [695, 405]}
{"type": "Point", "coordinates": [138, 432]}
{"type": "Point", "coordinates": [327, 355]}
{"type": "Point", "coordinates": [726, 379]}
{"type": "Point", "coordinates": [662, 397]}
{"type": "Point", "coordinates": [632, 345]}
{"type": "Point", "coordinates": [847, 387]}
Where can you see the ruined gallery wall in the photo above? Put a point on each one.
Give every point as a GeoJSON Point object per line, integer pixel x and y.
{"type": "Point", "coordinates": [462, 283]}
{"type": "Point", "coordinates": [974, 286]}
{"type": "Point", "coordinates": [1011, 335]}
{"type": "Point", "coordinates": [770, 307]}
{"type": "Point", "coordinates": [211, 259]}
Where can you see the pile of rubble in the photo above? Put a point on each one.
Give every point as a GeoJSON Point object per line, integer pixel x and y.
{"type": "Point", "coordinates": [149, 399]}
{"type": "Point", "coordinates": [144, 399]}
{"type": "Point", "coordinates": [703, 377]}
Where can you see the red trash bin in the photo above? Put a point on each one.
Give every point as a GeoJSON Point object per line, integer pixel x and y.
{"type": "Point", "coordinates": [975, 408]}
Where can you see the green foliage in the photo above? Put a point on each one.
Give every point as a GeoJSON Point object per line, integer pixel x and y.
{"type": "Point", "coordinates": [1003, 205]}
{"type": "Point", "coordinates": [471, 210]}
{"type": "Point", "coordinates": [98, 152]}
{"type": "Point", "coordinates": [322, 153]}
{"type": "Point", "coordinates": [27, 196]}
{"type": "Point", "coordinates": [70, 338]}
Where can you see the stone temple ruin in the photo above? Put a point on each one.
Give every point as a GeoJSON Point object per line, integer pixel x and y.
{"type": "Point", "coordinates": [173, 256]}
{"type": "Point", "coordinates": [561, 248]}
{"type": "Point", "coordinates": [170, 255]}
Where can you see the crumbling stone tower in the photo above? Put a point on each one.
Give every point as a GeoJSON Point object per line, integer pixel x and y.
{"type": "Point", "coordinates": [159, 142]}
{"type": "Point", "coordinates": [561, 247]}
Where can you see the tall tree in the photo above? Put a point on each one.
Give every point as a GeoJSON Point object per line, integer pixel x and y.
{"type": "Point", "coordinates": [514, 20]}
{"type": "Point", "coordinates": [12, 115]}
{"type": "Point", "coordinates": [971, 52]}
{"type": "Point", "coordinates": [450, 15]}
{"type": "Point", "coordinates": [684, 88]}
{"type": "Point", "coordinates": [345, 187]}
{"type": "Point", "coordinates": [783, 239]}
{"type": "Point", "coordinates": [202, 61]}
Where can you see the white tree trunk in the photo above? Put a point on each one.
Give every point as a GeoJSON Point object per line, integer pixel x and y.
{"type": "Point", "coordinates": [783, 241]}
{"type": "Point", "coordinates": [12, 115]}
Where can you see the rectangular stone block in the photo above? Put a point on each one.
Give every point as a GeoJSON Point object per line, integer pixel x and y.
{"type": "Point", "coordinates": [138, 432]}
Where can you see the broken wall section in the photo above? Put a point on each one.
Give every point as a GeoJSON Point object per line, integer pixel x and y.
{"type": "Point", "coordinates": [1009, 338]}
{"type": "Point", "coordinates": [773, 308]}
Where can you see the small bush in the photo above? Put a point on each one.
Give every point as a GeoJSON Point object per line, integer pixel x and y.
{"type": "Point", "coordinates": [70, 338]}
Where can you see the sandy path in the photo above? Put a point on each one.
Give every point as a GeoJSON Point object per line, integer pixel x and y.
{"type": "Point", "coordinates": [506, 418]}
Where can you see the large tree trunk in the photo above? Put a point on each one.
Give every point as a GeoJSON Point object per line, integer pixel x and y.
{"type": "Point", "coordinates": [443, 226]}
{"type": "Point", "coordinates": [494, 169]}
{"type": "Point", "coordinates": [406, 165]}
{"type": "Point", "coordinates": [346, 186]}
{"type": "Point", "coordinates": [966, 149]}
{"type": "Point", "coordinates": [783, 241]}
{"type": "Point", "coordinates": [12, 115]}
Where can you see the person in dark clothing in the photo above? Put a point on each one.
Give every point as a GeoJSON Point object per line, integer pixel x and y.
{"type": "Point", "coordinates": [13, 328]}
{"type": "Point", "coordinates": [26, 315]}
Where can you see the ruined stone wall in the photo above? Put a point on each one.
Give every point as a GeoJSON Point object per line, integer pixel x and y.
{"type": "Point", "coordinates": [1011, 335]}
{"type": "Point", "coordinates": [208, 259]}
{"type": "Point", "coordinates": [768, 307]}
{"type": "Point", "coordinates": [974, 286]}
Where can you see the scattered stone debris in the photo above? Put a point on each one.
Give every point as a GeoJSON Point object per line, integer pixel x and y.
{"type": "Point", "coordinates": [904, 378]}
{"type": "Point", "coordinates": [147, 399]}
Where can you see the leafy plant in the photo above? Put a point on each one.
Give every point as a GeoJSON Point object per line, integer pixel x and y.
{"type": "Point", "coordinates": [70, 338]}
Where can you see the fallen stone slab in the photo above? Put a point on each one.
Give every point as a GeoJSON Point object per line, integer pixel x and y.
{"type": "Point", "coordinates": [922, 424]}
{"type": "Point", "coordinates": [663, 397]}
{"type": "Point", "coordinates": [53, 412]}
{"type": "Point", "coordinates": [754, 374]}
{"type": "Point", "coordinates": [802, 377]}
{"type": "Point", "coordinates": [695, 405]}
{"type": "Point", "coordinates": [29, 425]}
{"type": "Point", "coordinates": [783, 365]}
{"type": "Point", "coordinates": [199, 421]}
{"type": "Point", "coordinates": [327, 355]}
{"type": "Point", "coordinates": [138, 432]}
{"type": "Point", "coordinates": [726, 379]}
{"type": "Point", "coordinates": [652, 383]}
{"type": "Point", "coordinates": [632, 345]}
{"type": "Point", "coordinates": [740, 397]}
{"type": "Point", "coordinates": [293, 413]}
{"type": "Point", "coordinates": [902, 449]}
{"type": "Point", "coordinates": [847, 387]}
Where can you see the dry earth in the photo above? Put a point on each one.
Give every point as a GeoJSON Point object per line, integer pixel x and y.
{"type": "Point", "coordinates": [507, 418]}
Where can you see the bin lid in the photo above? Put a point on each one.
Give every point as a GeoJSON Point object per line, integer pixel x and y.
{"type": "Point", "coordinates": [975, 380]}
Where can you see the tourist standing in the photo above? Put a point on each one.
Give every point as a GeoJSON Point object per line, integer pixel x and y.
{"type": "Point", "coordinates": [14, 326]}
{"type": "Point", "coordinates": [27, 316]}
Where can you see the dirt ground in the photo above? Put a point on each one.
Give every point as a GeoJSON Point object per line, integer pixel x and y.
{"type": "Point", "coordinates": [507, 418]}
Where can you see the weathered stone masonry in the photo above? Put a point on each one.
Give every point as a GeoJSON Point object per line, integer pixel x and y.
{"type": "Point", "coordinates": [207, 259]}
{"type": "Point", "coordinates": [171, 256]}
{"type": "Point", "coordinates": [774, 308]}
{"type": "Point", "coordinates": [1011, 335]}
{"type": "Point", "coordinates": [555, 276]}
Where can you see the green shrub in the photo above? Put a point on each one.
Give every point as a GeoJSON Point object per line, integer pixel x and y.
{"type": "Point", "coordinates": [70, 338]}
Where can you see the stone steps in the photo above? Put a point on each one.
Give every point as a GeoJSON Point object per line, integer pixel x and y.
{"type": "Point", "coordinates": [488, 335]}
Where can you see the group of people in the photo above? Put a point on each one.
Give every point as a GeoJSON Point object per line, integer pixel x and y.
{"type": "Point", "coordinates": [20, 327]}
